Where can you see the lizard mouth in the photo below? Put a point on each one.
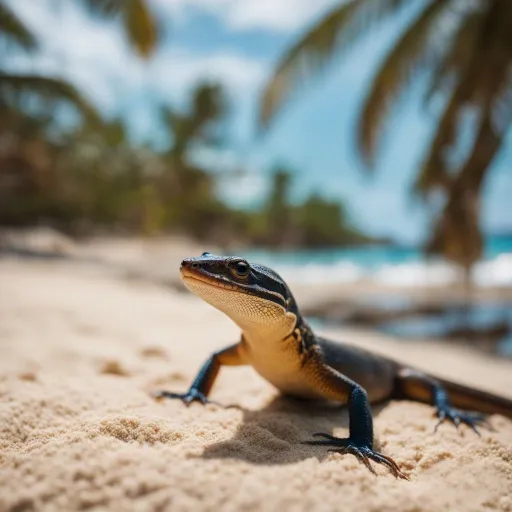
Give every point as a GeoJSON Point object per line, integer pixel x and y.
{"type": "Point", "coordinates": [189, 274]}
{"type": "Point", "coordinates": [197, 275]}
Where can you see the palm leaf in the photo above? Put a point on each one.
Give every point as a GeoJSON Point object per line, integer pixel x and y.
{"type": "Point", "coordinates": [310, 55]}
{"type": "Point", "coordinates": [12, 29]}
{"type": "Point", "coordinates": [481, 80]}
{"type": "Point", "coordinates": [139, 23]}
{"type": "Point", "coordinates": [409, 55]}
{"type": "Point", "coordinates": [141, 27]}
{"type": "Point", "coordinates": [457, 234]}
{"type": "Point", "coordinates": [14, 86]}
{"type": "Point", "coordinates": [434, 173]}
{"type": "Point", "coordinates": [459, 53]}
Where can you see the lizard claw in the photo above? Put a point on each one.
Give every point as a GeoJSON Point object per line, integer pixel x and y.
{"type": "Point", "coordinates": [192, 395]}
{"type": "Point", "coordinates": [456, 416]}
{"type": "Point", "coordinates": [363, 453]}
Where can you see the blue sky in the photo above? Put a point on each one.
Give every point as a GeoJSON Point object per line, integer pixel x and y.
{"type": "Point", "coordinates": [238, 42]}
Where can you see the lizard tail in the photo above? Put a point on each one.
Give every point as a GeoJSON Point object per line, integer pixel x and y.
{"type": "Point", "coordinates": [419, 387]}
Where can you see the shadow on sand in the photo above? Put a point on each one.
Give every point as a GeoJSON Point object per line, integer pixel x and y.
{"type": "Point", "coordinates": [273, 435]}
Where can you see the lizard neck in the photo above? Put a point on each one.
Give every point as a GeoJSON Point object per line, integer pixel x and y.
{"type": "Point", "coordinates": [292, 335]}
{"type": "Point", "coordinates": [267, 334]}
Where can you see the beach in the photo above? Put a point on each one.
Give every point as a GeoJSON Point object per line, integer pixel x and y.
{"type": "Point", "coordinates": [83, 346]}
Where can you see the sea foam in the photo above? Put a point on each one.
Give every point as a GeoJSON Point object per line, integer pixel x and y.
{"type": "Point", "coordinates": [496, 272]}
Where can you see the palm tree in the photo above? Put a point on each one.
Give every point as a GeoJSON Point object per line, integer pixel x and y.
{"type": "Point", "coordinates": [29, 179]}
{"type": "Point", "coordinates": [187, 187]}
{"type": "Point", "coordinates": [468, 62]}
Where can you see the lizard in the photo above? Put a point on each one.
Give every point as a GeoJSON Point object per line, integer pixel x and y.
{"type": "Point", "coordinates": [281, 346]}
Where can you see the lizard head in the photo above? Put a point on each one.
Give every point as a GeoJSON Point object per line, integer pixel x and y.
{"type": "Point", "coordinates": [253, 296]}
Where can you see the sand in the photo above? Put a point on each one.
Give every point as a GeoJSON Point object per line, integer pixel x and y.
{"type": "Point", "coordinates": [81, 348]}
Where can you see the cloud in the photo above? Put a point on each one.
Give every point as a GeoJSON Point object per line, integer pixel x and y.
{"type": "Point", "coordinates": [244, 189]}
{"type": "Point", "coordinates": [280, 16]}
{"type": "Point", "coordinates": [179, 69]}
{"type": "Point", "coordinates": [96, 58]}
{"type": "Point", "coordinates": [272, 15]}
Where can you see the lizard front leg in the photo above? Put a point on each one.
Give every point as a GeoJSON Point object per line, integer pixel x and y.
{"type": "Point", "coordinates": [203, 383]}
{"type": "Point", "coordinates": [335, 386]}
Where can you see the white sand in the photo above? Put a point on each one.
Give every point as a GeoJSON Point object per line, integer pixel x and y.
{"type": "Point", "coordinates": [80, 350]}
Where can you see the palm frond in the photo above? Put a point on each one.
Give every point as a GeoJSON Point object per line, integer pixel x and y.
{"type": "Point", "coordinates": [456, 64]}
{"type": "Point", "coordinates": [139, 23]}
{"type": "Point", "coordinates": [13, 30]}
{"type": "Point", "coordinates": [481, 81]}
{"type": "Point", "coordinates": [409, 55]}
{"type": "Point", "coordinates": [14, 86]}
{"type": "Point", "coordinates": [457, 234]}
{"type": "Point", "coordinates": [458, 54]}
{"type": "Point", "coordinates": [141, 27]}
{"type": "Point", "coordinates": [311, 54]}
{"type": "Point", "coordinates": [433, 172]}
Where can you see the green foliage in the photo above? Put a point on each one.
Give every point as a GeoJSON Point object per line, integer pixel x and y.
{"type": "Point", "coordinates": [324, 223]}
{"type": "Point", "coordinates": [17, 90]}
{"type": "Point", "coordinates": [315, 222]}
{"type": "Point", "coordinates": [95, 177]}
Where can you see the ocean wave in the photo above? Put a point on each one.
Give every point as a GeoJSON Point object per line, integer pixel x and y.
{"type": "Point", "coordinates": [496, 272]}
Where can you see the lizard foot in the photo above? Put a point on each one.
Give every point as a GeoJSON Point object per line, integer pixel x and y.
{"type": "Point", "coordinates": [456, 416]}
{"type": "Point", "coordinates": [192, 395]}
{"type": "Point", "coordinates": [359, 450]}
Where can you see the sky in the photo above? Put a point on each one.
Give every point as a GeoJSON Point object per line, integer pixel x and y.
{"type": "Point", "coordinates": [239, 42]}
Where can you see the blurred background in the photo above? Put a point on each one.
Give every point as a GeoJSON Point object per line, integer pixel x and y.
{"type": "Point", "coordinates": [362, 148]}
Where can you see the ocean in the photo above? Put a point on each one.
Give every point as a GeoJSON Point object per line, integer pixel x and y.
{"type": "Point", "coordinates": [389, 265]}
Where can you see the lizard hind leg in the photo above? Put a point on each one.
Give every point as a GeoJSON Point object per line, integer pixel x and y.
{"type": "Point", "coordinates": [419, 386]}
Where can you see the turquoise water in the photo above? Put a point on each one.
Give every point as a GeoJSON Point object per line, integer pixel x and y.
{"type": "Point", "coordinates": [370, 257]}
{"type": "Point", "coordinates": [387, 265]}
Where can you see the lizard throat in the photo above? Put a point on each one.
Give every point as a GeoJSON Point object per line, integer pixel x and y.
{"type": "Point", "coordinates": [260, 319]}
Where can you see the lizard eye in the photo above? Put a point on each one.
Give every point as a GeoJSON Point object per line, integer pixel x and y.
{"type": "Point", "coordinates": [205, 254]}
{"type": "Point", "coordinates": [242, 269]}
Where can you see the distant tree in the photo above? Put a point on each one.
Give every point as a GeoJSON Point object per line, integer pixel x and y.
{"type": "Point", "coordinates": [324, 223]}
{"type": "Point", "coordinates": [466, 48]}
{"type": "Point", "coordinates": [314, 222]}
{"type": "Point", "coordinates": [45, 175]}
{"type": "Point", "coordinates": [277, 209]}
{"type": "Point", "coordinates": [27, 167]}
{"type": "Point", "coordinates": [188, 189]}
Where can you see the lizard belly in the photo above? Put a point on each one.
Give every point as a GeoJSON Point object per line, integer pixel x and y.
{"type": "Point", "coordinates": [283, 370]}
